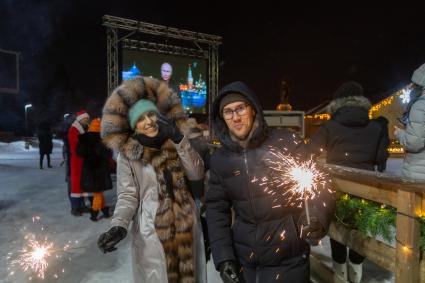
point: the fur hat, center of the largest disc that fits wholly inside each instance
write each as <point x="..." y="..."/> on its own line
<point x="140" y="107"/>
<point x="350" y="88"/>
<point x="81" y="115"/>
<point x="418" y="76"/>
<point x="232" y="97"/>
<point x="94" y="125"/>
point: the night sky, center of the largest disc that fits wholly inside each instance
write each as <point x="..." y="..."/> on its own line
<point x="314" y="48"/>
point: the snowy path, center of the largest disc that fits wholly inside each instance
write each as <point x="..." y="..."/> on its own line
<point x="27" y="191"/>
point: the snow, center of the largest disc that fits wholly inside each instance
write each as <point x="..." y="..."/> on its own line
<point x="27" y="191"/>
<point x="372" y="273"/>
<point x="17" y="150"/>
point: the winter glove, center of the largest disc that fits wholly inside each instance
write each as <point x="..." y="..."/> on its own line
<point x="229" y="272"/>
<point x="168" y="128"/>
<point x="314" y="232"/>
<point x="109" y="239"/>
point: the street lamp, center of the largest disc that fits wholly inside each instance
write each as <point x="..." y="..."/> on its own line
<point x="26" y="120"/>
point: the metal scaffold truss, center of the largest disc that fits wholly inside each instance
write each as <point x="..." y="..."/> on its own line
<point x="164" y="48"/>
<point x="125" y="33"/>
<point x="132" y="25"/>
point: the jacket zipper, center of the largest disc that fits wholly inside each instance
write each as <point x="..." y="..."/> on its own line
<point x="251" y="201"/>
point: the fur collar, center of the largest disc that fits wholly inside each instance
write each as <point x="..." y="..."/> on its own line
<point x="115" y="129"/>
<point x="349" y="101"/>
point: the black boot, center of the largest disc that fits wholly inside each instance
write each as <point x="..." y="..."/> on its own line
<point x="75" y="212"/>
<point x="105" y="212"/>
<point x="93" y="215"/>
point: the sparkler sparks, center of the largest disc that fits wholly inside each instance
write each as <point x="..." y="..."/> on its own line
<point x="293" y="180"/>
<point x="35" y="255"/>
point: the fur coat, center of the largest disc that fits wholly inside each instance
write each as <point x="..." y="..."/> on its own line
<point x="167" y="238"/>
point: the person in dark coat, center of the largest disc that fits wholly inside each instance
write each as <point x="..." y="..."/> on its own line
<point x="45" y="142"/>
<point x="386" y="141"/>
<point x="350" y="139"/>
<point x="252" y="249"/>
<point x="95" y="175"/>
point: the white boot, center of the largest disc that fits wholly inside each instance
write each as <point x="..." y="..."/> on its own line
<point x="355" y="272"/>
<point x="340" y="271"/>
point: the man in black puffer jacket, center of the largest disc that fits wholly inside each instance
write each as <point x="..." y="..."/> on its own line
<point x="254" y="249"/>
<point x="351" y="139"/>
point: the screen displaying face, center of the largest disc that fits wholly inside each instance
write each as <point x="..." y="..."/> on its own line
<point x="187" y="76"/>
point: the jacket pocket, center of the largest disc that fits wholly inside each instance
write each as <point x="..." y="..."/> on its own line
<point x="277" y="240"/>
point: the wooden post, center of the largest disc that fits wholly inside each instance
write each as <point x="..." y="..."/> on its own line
<point x="408" y="234"/>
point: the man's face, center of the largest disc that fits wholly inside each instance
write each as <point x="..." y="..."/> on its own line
<point x="239" y="118"/>
<point x="166" y="71"/>
<point x="147" y="125"/>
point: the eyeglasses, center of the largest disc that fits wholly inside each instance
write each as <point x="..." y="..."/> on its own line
<point x="240" y="111"/>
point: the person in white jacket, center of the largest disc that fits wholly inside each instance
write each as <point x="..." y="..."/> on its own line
<point x="153" y="163"/>
<point x="413" y="136"/>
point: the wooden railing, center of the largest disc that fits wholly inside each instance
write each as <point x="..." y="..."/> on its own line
<point x="407" y="197"/>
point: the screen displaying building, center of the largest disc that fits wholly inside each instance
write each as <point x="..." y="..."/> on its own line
<point x="187" y="76"/>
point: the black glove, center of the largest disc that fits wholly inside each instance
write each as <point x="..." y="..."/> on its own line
<point x="314" y="232"/>
<point x="168" y="128"/>
<point x="229" y="272"/>
<point x="109" y="239"/>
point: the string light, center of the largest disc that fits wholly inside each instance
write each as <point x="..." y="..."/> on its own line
<point x="403" y="94"/>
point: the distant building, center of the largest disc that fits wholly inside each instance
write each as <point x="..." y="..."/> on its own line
<point x="194" y="94"/>
<point x="131" y="73"/>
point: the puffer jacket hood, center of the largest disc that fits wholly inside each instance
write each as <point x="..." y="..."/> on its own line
<point x="350" y="111"/>
<point x="220" y="127"/>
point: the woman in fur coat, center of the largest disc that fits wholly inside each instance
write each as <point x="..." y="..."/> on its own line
<point x="153" y="163"/>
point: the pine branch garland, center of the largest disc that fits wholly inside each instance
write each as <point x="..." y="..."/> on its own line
<point x="368" y="217"/>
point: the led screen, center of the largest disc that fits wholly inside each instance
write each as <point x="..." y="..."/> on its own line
<point x="187" y="76"/>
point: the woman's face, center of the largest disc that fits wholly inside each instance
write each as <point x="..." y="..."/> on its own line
<point x="146" y="125"/>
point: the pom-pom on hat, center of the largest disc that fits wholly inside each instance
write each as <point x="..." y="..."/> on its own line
<point x="140" y="107"/>
<point x="81" y="115"/>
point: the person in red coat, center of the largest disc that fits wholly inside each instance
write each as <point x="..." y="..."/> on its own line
<point x="77" y="195"/>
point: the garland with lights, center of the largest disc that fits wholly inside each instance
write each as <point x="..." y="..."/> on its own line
<point x="372" y="218"/>
<point x="368" y="217"/>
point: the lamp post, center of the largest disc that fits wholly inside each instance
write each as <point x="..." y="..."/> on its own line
<point x="26" y="114"/>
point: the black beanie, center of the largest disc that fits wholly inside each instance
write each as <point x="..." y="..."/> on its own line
<point x="350" y="88"/>
<point x="232" y="97"/>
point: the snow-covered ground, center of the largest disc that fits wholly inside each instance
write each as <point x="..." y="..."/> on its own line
<point x="26" y="191"/>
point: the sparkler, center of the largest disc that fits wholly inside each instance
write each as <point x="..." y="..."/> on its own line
<point x="294" y="180"/>
<point x="36" y="254"/>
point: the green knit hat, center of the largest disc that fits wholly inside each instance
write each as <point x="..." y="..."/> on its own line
<point x="140" y="107"/>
